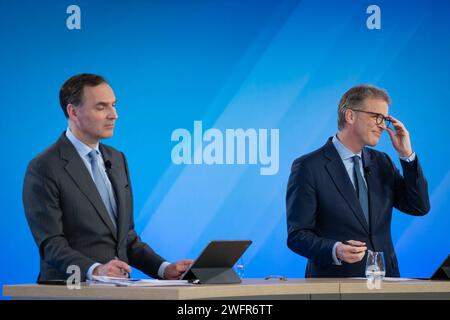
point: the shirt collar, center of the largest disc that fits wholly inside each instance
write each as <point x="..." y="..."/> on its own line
<point x="81" y="147"/>
<point x="344" y="152"/>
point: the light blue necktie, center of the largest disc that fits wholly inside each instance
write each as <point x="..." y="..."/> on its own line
<point x="361" y="189"/>
<point x="101" y="186"/>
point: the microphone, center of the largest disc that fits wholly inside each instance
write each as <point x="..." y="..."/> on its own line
<point x="367" y="171"/>
<point x="108" y="164"/>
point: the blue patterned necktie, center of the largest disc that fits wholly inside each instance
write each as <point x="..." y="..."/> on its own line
<point x="360" y="187"/>
<point x="101" y="186"/>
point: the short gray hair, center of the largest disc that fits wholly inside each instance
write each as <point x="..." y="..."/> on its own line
<point x="354" y="98"/>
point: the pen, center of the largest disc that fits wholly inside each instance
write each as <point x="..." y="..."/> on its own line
<point x="353" y="245"/>
<point x="126" y="274"/>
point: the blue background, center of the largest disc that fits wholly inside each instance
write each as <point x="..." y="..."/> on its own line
<point x="231" y="64"/>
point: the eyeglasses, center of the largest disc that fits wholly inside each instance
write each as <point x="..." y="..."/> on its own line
<point x="379" y="118"/>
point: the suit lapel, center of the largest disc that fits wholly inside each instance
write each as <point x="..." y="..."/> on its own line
<point x="373" y="187"/>
<point x="80" y="175"/>
<point x="338" y="174"/>
<point x="114" y="176"/>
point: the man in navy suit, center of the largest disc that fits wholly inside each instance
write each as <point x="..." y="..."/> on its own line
<point x="340" y="197"/>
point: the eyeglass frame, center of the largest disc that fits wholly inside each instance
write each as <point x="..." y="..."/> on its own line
<point x="378" y="115"/>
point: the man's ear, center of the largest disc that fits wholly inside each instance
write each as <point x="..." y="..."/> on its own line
<point x="349" y="116"/>
<point x="72" y="111"/>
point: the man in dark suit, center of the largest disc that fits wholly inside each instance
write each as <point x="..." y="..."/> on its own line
<point x="340" y="197"/>
<point x="78" y="199"/>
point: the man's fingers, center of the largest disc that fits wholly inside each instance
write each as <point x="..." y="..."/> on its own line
<point x="391" y="133"/>
<point x="361" y="256"/>
<point x="114" y="268"/>
<point x="173" y="271"/>
<point x="186" y="262"/>
<point x="117" y="273"/>
<point x="358" y="250"/>
<point x="111" y="270"/>
<point x="393" y="136"/>
<point x="399" y="128"/>
<point x="121" y="265"/>
<point x="181" y="269"/>
<point x="398" y="125"/>
<point x="354" y="251"/>
<point x="183" y="265"/>
<point x="354" y="257"/>
<point x="356" y="243"/>
<point x="395" y="121"/>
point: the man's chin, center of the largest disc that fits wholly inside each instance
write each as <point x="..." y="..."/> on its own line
<point x="373" y="142"/>
<point x="107" y="135"/>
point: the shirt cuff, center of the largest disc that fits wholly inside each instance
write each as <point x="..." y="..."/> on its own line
<point x="91" y="270"/>
<point x="162" y="268"/>
<point x="336" y="261"/>
<point x="411" y="158"/>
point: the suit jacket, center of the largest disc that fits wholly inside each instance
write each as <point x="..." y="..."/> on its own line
<point x="323" y="208"/>
<point x="68" y="219"/>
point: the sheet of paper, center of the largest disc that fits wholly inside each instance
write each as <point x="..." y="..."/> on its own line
<point x="398" y="279"/>
<point x="389" y="279"/>
<point x="132" y="282"/>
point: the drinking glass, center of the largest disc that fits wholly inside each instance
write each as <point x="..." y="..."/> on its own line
<point x="375" y="268"/>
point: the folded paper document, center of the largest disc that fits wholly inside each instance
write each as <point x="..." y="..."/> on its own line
<point x="130" y="282"/>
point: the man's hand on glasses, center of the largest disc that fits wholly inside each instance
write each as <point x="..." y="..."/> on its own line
<point x="400" y="138"/>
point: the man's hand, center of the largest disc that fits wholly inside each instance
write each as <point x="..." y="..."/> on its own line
<point x="400" y="139"/>
<point x="351" y="252"/>
<point x="114" y="268"/>
<point x="174" y="270"/>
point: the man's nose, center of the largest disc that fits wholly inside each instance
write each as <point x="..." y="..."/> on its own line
<point x="113" y="114"/>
